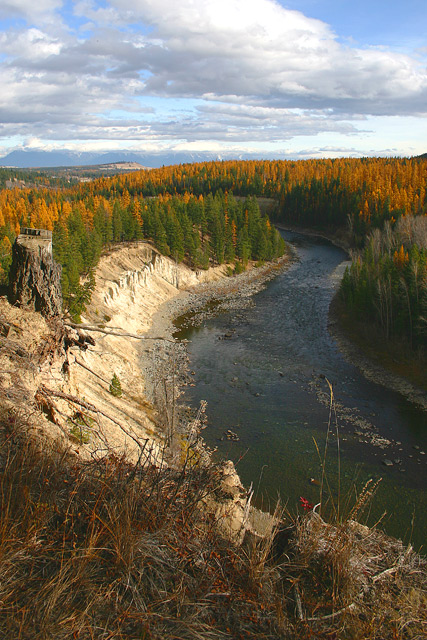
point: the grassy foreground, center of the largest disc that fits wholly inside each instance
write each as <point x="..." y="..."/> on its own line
<point x="106" y="549"/>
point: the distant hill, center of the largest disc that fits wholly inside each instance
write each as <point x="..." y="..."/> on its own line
<point x="87" y="171"/>
<point x="43" y="159"/>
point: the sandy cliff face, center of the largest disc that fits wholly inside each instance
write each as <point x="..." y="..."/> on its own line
<point x="132" y="285"/>
<point x="132" y="281"/>
<point x="65" y="383"/>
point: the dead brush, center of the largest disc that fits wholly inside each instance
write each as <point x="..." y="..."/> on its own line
<point x="110" y="549"/>
<point x="357" y="582"/>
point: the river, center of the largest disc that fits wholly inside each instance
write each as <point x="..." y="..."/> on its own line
<point x="266" y="372"/>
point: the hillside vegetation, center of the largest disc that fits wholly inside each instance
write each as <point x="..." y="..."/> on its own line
<point x="376" y="205"/>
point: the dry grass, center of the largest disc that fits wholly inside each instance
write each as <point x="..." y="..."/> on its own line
<point x="357" y="582"/>
<point x="107" y="549"/>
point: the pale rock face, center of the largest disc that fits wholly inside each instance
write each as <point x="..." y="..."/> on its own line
<point x="151" y="267"/>
<point x="132" y="281"/>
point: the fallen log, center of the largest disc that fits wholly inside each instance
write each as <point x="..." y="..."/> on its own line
<point x="87" y="327"/>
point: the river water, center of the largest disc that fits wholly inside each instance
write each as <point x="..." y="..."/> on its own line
<point x="266" y="372"/>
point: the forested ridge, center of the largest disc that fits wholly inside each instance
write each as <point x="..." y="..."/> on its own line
<point x="207" y="213"/>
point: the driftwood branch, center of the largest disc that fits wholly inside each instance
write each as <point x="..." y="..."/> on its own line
<point x="354" y="606"/>
<point x="395" y="567"/>
<point x="87" y="327"/>
<point x="67" y="396"/>
<point x="298" y="602"/>
<point x="50" y="408"/>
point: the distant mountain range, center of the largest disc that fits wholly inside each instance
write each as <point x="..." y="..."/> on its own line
<point x="47" y="159"/>
<point x="41" y="159"/>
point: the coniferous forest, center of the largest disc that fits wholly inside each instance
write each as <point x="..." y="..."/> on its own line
<point x="208" y="213"/>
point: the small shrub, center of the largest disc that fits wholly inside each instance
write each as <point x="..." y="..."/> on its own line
<point x="115" y="387"/>
<point x="190" y="455"/>
<point x="80" y="425"/>
<point x="81" y="435"/>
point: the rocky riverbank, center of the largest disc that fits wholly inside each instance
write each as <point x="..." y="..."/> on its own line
<point x="142" y="292"/>
<point x="62" y="377"/>
<point x="199" y="302"/>
<point x="371" y="364"/>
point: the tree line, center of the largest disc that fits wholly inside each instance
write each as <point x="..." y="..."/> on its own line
<point x="202" y="231"/>
<point x="207" y="213"/>
<point x="387" y="281"/>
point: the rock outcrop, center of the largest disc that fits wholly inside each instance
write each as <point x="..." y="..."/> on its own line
<point x="35" y="278"/>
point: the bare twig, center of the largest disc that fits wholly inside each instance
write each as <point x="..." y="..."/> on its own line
<point x="331" y="616"/>
<point x="91" y="371"/>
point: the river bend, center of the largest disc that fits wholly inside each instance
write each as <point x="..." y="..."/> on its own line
<point x="264" y="372"/>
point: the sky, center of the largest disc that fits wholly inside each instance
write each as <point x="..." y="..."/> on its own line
<point x="236" y="78"/>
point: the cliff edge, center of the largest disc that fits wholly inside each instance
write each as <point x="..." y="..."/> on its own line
<point x="63" y="374"/>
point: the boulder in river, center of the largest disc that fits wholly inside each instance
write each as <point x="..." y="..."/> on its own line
<point x="230" y="435"/>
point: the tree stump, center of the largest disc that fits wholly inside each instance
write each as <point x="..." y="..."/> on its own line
<point x="34" y="277"/>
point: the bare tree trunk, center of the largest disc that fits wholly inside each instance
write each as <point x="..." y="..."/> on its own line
<point x="35" y="278"/>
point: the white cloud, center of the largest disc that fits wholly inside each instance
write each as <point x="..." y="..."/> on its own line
<point x="260" y="19"/>
<point x="28" y="9"/>
<point x="258" y="48"/>
<point x="257" y="71"/>
<point x="31" y="44"/>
